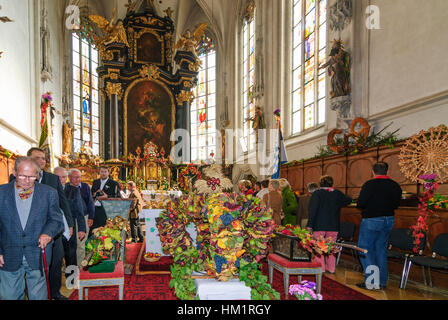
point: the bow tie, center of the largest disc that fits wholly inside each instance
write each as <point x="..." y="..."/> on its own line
<point x="24" y="194"/>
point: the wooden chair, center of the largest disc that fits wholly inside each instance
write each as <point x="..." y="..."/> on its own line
<point x="288" y="268"/>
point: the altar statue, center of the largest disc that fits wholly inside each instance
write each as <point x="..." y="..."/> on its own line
<point x="67" y="142"/>
<point x="114" y="31"/>
<point x="189" y="42"/>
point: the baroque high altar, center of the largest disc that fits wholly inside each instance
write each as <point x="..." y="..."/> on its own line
<point x="146" y="82"/>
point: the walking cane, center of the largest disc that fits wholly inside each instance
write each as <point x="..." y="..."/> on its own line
<point x="46" y="274"/>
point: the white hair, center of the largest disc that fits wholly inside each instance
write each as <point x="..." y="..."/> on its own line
<point x="60" y="169"/>
<point x="73" y="170"/>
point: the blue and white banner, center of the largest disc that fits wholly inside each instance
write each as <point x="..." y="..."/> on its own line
<point x="280" y="157"/>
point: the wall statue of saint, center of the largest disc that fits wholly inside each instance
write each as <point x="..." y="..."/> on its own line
<point x="339" y="69"/>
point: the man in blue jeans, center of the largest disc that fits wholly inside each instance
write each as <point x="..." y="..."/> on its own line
<point x="378" y="200"/>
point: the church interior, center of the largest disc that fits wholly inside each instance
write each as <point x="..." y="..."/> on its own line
<point x="202" y="104"/>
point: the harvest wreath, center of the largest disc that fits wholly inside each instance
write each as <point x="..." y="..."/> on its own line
<point x="233" y="236"/>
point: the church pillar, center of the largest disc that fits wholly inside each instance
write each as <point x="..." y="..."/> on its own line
<point x="114" y="91"/>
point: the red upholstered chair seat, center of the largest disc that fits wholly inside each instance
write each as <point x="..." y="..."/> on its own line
<point x="292" y="264"/>
<point x="118" y="273"/>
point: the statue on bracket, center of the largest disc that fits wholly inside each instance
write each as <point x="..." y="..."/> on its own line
<point x="67" y="142"/>
<point x="339" y="66"/>
<point x="114" y="31"/>
<point x="189" y="42"/>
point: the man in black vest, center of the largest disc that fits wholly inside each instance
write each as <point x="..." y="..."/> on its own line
<point x="52" y="180"/>
<point x="103" y="189"/>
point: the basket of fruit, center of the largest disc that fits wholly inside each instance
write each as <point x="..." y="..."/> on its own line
<point x="152" y="257"/>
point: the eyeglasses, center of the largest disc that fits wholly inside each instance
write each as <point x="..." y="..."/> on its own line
<point x="22" y="177"/>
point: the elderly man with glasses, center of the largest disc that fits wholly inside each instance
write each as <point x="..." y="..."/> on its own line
<point x="30" y="218"/>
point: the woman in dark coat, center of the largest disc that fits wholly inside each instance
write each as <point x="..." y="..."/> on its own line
<point x="324" y="217"/>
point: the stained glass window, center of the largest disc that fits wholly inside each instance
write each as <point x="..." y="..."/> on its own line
<point x="248" y="84"/>
<point x="85" y="95"/>
<point x="203" y="108"/>
<point x="309" y="40"/>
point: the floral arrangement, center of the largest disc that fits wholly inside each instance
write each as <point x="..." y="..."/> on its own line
<point x="190" y="172"/>
<point x="214" y="181"/>
<point x="100" y="247"/>
<point x="438" y="202"/>
<point x="305" y="291"/>
<point x="425" y="208"/>
<point x="46" y="102"/>
<point x="233" y="236"/>
<point x="308" y="242"/>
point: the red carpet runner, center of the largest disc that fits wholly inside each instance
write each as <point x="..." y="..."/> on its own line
<point x="156" y="287"/>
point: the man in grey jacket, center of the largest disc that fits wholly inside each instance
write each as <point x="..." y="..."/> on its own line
<point x="29" y="220"/>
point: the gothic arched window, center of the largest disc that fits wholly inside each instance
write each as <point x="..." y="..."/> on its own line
<point x="203" y="108"/>
<point x="248" y="81"/>
<point x="309" y="31"/>
<point x="86" y="109"/>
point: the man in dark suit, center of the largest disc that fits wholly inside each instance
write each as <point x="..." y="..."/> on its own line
<point x="74" y="175"/>
<point x="103" y="189"/>
<point x="58" y="251"/>
<point x="74" y="197"/>
<point x="30" y="218"/>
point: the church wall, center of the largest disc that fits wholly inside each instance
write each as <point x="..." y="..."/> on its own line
<point x="18" y="87"/>
<point x="31" y="44"/>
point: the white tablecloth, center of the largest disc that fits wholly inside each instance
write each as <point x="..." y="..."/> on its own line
<point x="153" y="243"/>
<point x="211" y="289"/>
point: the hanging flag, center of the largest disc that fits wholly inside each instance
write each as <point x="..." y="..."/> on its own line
<point x="280" y="157"/>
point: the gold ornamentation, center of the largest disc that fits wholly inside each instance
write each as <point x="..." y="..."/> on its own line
<point x="114" y="76"/>
<point x="114" y="88"/>
<point x="188" y="84"/>
<point x="114" y="31"/>
<point x="426" y="153"/>
<point x="189" y="42"/>
<point x="147" y="20"/>
<point x="184" y="96"/>
<point x="104" y="54"/>
<point x="149" y="72"/>
<point x="195" y="66"/>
